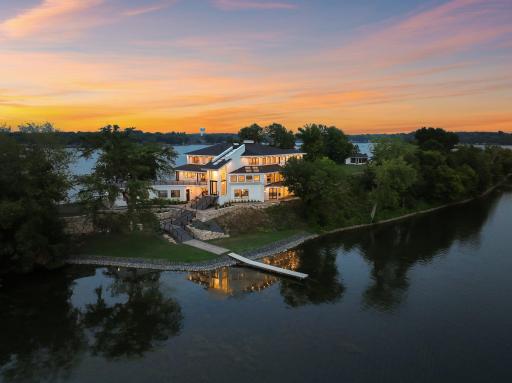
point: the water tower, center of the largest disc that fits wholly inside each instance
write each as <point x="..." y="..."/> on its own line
<point x="201" y="131"/>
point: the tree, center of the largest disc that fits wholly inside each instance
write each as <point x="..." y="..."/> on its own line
<point x="388" y="148"/>
<point x="279" y="136"/>
<point x="436" y="139"/>
<point x="312" y="141"/>
<point x="324" y="141"/>
<point x="33" y="180"/>
<point x="393" y="178"/>
<point x="253" y="132"/>
<point x="32" y="127"/>
<point x="336" y="144"/>
<point x="124" y="168"/>
<point x="324" y="189"/>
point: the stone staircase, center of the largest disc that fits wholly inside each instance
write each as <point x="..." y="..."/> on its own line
<point x="176" y="226"/>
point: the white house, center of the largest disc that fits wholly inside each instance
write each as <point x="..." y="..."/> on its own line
<point x="357" y="159"/>
<point x="232" y="172"/>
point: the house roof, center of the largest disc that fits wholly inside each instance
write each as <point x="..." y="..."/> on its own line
<point x="212" y="150"/>
<point x="251" y="149"/>
<point x="215" y="165"/>
<point x="257" y="169"/>
<point x="359" y="155"/>
<point x="266" y="150"/>
<point x="191" y="168"/>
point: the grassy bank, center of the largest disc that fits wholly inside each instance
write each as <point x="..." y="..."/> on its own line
<point x="141" y="245"/>
<point x="251" y="241"/>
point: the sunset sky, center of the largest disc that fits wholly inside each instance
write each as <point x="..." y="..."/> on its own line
<point x="163" y="65"/>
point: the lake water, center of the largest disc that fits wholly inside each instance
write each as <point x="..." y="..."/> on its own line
<point x="423" y="300"/>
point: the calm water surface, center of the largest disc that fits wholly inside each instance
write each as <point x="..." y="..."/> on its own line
<point x="424" y="300"/>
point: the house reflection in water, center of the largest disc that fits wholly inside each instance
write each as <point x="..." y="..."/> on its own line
<point x="233" y="281"/>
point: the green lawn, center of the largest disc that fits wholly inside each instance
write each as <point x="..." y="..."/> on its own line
<point x="246" y="242"/>
<point x="354" y="169"/>
<point x="141" y="245"/>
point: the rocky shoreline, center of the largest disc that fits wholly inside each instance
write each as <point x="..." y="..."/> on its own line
<point x="263" y="252"/>
<point x="163" y="265"/>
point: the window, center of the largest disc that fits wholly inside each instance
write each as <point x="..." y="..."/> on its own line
<point x="232" y="178"/>
<point x="248" y="178"/>
<point x="254" y="161"/>
<point x="241" y="178"/>
<point x="269" y="178"/>
<point x="175" y="194"/>
<point x="195" y="160"/>
<point x="256" y="178"/>
<point x="162" y="193"/>
<point x="241" y="193"/>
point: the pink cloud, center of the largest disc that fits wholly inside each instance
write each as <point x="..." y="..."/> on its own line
<point x="440" y="32"/>
<point x="45" y="16"/>
<point x="235" y="5"/>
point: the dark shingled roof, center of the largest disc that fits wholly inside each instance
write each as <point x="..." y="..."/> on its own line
<point x="191" y="168"/>
<point x="254" y="169"/>
<point x="265" y="150"/>
<point x="213" y="150"/>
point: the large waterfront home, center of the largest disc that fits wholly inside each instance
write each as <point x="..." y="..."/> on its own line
<point x="231" y="172"/>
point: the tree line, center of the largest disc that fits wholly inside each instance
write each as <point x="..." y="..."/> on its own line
<point x="402" y="177"/>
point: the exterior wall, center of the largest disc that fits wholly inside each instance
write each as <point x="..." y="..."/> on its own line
<point x="268" y="160"/>
<point x="195" y="191"/>
<point x="357" y="161"/>
<point x="256" y="192"/>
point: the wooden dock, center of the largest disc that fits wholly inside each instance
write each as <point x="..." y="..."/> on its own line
<point x="266" y="267"/>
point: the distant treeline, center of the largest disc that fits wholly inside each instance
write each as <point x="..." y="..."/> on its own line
<point x="489" y="138"/>
<point x="182" y="138"/>
<point x="172" y="138"/>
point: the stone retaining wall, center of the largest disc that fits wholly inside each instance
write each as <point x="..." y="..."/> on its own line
<point x="205" y="235"/>
<point x="207" y="215"/>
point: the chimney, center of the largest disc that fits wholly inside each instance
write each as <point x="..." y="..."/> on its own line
<point x="248" y="142"/>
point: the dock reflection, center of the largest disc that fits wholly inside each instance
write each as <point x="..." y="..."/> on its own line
<point x="237" y="281"/>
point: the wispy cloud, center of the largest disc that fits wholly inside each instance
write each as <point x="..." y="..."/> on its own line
<point x="236" y="5"/>
<point x="148" y="8"/>
<point x="48" y="15"/>
<point x="447" y="29"/>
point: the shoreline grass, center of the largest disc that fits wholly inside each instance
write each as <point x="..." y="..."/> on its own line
<point x="252" y="241"/>
<point x="141" y="245"/>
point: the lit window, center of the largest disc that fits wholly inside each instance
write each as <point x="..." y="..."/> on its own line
<point x="254" y="161"/>
<point x="264" y="160"/>
<point x="256" y="178"/>
<point x="175" y="194"/>
<point x="241" y="193"/>
<point x="232" y="178"/>
<point x="241" y="178"/>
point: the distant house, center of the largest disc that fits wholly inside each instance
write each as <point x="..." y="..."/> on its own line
<point x="232" y="172"/>
<point x="357" y="159"/>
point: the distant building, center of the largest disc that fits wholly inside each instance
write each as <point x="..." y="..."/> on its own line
<point x="357" y="159"/>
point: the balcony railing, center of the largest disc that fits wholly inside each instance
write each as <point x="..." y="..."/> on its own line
<point x="180" y="182"/>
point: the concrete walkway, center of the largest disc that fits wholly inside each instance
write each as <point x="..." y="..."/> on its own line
<point x="206" y="247"/>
